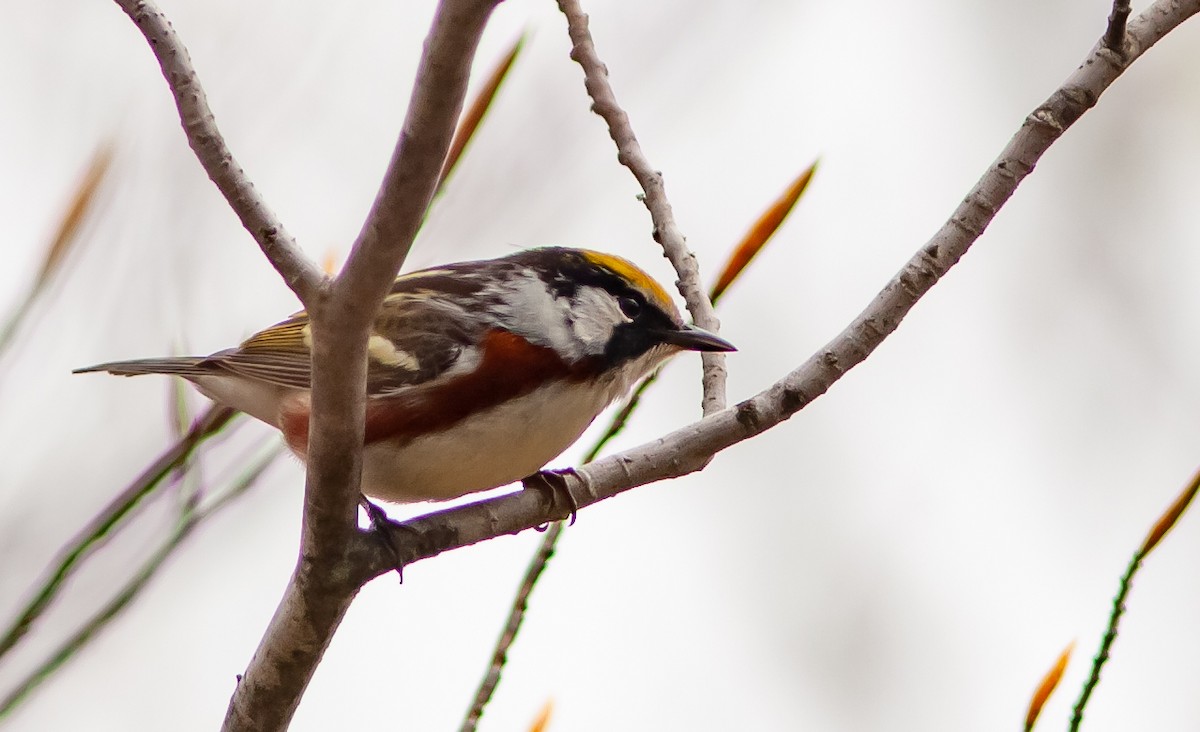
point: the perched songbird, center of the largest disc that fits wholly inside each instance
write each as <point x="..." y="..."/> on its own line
<point x="479" y="373"/>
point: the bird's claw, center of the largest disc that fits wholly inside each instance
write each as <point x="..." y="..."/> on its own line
<point x="385" y="528"/>
<point x="555" y="485"/>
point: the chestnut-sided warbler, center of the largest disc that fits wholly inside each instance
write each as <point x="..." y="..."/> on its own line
<point x="478" y="374"/>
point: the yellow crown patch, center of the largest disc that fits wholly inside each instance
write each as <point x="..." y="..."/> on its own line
<point x="634" y="275"/>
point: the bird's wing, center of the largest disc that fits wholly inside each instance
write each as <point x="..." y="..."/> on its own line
<point x="279" y="355"/>
<point x="415" y="338"/>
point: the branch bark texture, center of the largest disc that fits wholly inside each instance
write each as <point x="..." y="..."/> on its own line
<point x="337" y="558"/>
<point x="666" y="231"/>
<point x="329" y="572"/>
<point x="690" y="448"/>
<point x="300" y="274"/>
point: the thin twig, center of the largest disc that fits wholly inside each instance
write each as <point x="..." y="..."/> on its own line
<point x="516" y="615"/>
<point x="302" y="275"/>
<point x="306" y="617"/>
<point x="645" y="464"/>
<point x="1110" y="635"/>
<point x="689" y="448"/>
<point x="1114" y="35"/>
<point x="102" y="524"/>
<point x="1161" y="528"/>
<point x="537" y="564"/>
<point x="666" y="231"/>
<point x="762" y="231"/>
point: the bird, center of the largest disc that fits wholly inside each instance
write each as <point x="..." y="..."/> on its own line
<point x="479" y="373"/>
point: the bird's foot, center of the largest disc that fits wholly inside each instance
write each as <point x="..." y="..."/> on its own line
<point x="554" y="484"/>
<point x="386" y="530"/>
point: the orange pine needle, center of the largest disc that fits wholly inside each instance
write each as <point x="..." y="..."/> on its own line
<point x="761" y="232"/>
<point x="542" y="722"/>
<point x="1046" y="688"/>
<point x="479" y="107"/>
<point x="68" y="225"/>
<point x="1167" y="521"/>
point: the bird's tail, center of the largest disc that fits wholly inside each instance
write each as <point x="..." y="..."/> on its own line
<point x="179" y="366"/>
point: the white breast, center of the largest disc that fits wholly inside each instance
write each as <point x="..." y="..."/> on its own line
<point x="499" y="446"/>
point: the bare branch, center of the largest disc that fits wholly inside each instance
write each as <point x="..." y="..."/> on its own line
<point x="752" y="243"/>
<point x="337" y="559"/>
<point x="688" y="449"/>
<point x="666" y="231"/>
<point x="516" y="615"/>
<point x="413" y="173"/>
<point x="300" y="274"/>
<point x="1114" y="35"/>
<point x="437" y="532"/>
<point x="329" y="572"/>
<point x="340" y="325"/>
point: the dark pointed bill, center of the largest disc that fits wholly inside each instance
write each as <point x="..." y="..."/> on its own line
<point x="691" y="338"/>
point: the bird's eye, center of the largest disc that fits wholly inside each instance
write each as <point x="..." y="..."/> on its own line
<point x="631" y="307"/>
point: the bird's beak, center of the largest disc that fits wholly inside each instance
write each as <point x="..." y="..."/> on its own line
<point x="691" y="338"/>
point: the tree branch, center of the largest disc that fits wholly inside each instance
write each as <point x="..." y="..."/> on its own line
<point x="1114" y="35"/>
<point x="666" y="231"/>
<point x="412" y="175"/>
<point x="336" y="557"/>
<point x="300" y="274"/>
<point x="329" y="572"/>
<point x="341" y="324"/>
<point x="689" y="448"/>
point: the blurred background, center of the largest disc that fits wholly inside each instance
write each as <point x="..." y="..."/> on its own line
<point x="911" y="551"/>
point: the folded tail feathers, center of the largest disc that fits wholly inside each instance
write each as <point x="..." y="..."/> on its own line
<point x="180" y="366"/>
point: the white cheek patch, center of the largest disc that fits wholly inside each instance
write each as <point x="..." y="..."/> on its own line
<point x="529" y="310"/>
<point x="594" y="314"/>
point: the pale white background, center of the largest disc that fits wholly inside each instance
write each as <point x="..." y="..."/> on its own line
<point x="910" y="552"/>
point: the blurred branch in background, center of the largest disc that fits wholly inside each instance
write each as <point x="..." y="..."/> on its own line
<point x="65" y="239"/>
<point x="1161" y="528"/>
<point x="971" y="221"/>
<point x="175" y="464"/>
<point x="192" y="512"/>
<point x="176" y="461"/>
<point x="470" y="120"/>
<point x="746" y="250"/>
<point x="113" y="518"/>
